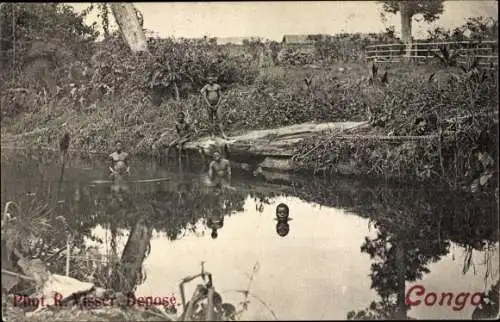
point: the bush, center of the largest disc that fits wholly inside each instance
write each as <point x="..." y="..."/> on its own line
<point x="459" y="105"/>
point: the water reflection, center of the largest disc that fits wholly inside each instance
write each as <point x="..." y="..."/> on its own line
<point x="282" y="218"/>
<point x="409" y="238"/>
<point x="282" y="227"/>
<point x="119" y="187"/>
<point x="385" y="239"/>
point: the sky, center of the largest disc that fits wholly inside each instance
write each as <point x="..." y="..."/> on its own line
<point x="271" y="20"/>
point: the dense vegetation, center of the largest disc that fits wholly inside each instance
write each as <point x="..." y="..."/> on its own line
<point x="57" y="78"/>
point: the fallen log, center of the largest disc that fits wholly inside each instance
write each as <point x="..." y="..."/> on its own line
<point x="280" y="142"/>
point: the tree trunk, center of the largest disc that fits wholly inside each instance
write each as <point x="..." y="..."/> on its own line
<point x="130" y="27"/>
<point x="406" y="17"/>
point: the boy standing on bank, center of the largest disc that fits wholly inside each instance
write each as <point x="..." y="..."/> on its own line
<point x="212" y="95"/>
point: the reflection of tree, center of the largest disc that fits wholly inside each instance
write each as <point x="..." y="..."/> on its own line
<point x="171" y="210"/>
<point x="129" y="273"/>
<point x="396" y="262"/>
<point x="414" y="228"/>
<point x="410" y="236"/>
<point x="488" y="310"/>
<point x="170" y="207"/>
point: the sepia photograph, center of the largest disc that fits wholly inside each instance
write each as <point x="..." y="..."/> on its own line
<point x="249" y="160"/>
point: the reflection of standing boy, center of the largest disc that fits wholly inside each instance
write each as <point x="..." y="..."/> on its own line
<point x="212" y="95"/>
<point x="215" y="222"/>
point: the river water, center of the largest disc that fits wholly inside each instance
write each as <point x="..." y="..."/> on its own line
<point x="349" y="243"/>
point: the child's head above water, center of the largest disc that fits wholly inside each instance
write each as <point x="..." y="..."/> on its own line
<point x="282" y="211"/>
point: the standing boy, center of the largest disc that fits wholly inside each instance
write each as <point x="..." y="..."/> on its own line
<point x="212" y="95"/>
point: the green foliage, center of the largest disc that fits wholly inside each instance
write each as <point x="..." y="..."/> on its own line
<point x="408" y="239"/>
<point x="194" y="61"/>
<point x="104" y="93"/>
<point x="489" y="310"/>
<point x="454" y="104"/>
<point x="350" y="47"/>
<point x="294" y="57"/>
<point x="447" y="57"/>
<point x="474" y="29"/>
<point x="429" y="9"/>
<point x="25" y="28"/>
<point x="329" y="50"/>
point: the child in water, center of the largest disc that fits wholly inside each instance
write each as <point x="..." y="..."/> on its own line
<point x="282" y="211"/>
<point x="119" y="161"/>
<point x="219" y="171"/>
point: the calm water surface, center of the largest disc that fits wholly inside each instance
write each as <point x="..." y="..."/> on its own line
<point x="349" y="243"/>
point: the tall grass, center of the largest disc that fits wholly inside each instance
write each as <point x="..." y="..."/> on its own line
<point x="457" y="108"/>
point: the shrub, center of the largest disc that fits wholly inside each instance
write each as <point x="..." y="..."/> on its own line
<point x="460" y="106"/>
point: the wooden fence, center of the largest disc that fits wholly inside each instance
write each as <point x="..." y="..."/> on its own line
<point x="485" y="51"/>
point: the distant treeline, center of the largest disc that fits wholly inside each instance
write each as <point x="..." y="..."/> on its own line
<point x="328" y="49"/>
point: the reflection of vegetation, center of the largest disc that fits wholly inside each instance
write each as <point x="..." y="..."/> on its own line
<point x="261" y="199"/>
<point x="414" y="228"/>
<point x="488" y="310"/>
<point x="412" y="234"/>
<point x="172" y="208"/>
<point x="400" y="258"/>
